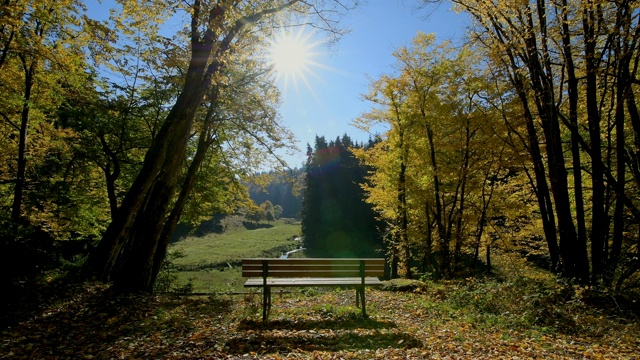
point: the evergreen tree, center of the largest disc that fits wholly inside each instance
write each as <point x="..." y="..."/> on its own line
<point x="336" y="222"/>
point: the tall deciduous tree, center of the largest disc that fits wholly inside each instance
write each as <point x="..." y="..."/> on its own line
<point x="439" y="158"/>
<point x="570" y="63"/>
<point x="42" y="62"/>
<point x="127" y="252"/>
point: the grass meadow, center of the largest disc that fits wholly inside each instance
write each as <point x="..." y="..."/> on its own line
<point x="211" y="263"/>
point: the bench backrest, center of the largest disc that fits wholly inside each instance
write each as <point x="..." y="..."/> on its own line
<point x="306" y="267"/>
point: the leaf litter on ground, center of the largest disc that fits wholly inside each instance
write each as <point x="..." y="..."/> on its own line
<point x="97" y="323"/>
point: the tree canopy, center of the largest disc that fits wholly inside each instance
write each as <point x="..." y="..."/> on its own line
<point x="117" y="129"/>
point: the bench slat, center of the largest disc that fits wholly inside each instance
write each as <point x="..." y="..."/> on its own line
<point x="297" y="282"/>
<point x="305" y="267"/>
<point x="312" y="267"/>
<point x="314" y="261"/>
<point x="311" y="273"/>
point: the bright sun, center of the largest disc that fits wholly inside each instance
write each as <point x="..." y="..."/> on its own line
<point x="291" y="56"/>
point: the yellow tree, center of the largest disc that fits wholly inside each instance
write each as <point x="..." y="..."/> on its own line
<point x="388" y="192"/>
<point x="570" y="64"/>
<point x="434" y="165"/>
<point x="42" y="62"/>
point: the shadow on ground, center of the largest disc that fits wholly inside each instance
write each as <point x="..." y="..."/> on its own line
<point x="320" y="335"/>
<point x="335" y="324"/>
<point x="97" y="321"/>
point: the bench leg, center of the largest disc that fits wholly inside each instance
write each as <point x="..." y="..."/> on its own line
<point x="360" y="299"/>
<point x="364" y="307"/>
<point x="266" y="303"/>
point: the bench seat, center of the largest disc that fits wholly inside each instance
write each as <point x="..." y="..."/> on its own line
<point x="311" y="282"/>
<point x="308" y="272"/>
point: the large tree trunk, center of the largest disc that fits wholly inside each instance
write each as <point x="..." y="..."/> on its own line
<point x="618" y="213"/>
<point x="598" y="215"/>
<point x="428" y="263"/>
<point x="140" y="218"/>
<point x="402" y="204"/>
<point x="138" y="267"/>
<point x="573" y="97"/>
<point x="156" y="179"/>
<point x="127" y="252"/>
<point x="442" y="240"/>
<point x="464" y="171"/>
<point x="204" y="142"/>
<point x="573" y="256"/>
<point x="539" y="183"/>
<point x="623" y="50"/>
<point x="543" y="196"/>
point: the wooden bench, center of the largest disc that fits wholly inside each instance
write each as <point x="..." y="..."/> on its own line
<point x="304" y="272"/>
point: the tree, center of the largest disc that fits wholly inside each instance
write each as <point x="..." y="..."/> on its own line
<point x="569" y="63"/>
<point x="281" y="188"/>
<point x="40" y="57"/>
<point x="270" y="216"/>
<point x="255" y="214"/>
<point x="437" y="166"/>
<point x="335" y="220"/>
<point x="277" y="211"/>
<point x="267" y="207"/>
<point x="128" y="250"/>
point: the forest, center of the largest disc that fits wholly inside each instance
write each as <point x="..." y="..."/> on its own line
<point x="524" y="139"/>
<point x="542" y="129"/>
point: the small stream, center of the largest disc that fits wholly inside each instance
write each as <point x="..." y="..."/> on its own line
<point x="286" y="255"/>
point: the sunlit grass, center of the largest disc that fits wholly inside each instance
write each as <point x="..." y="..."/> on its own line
<point x="211" y="263"/>
<point x="235" y="245"/>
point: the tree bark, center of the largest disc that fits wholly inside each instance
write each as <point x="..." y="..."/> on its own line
<point x="543" y="196"/>
<point x="541" y="186"/>
<point x="572" y="255"/>
<point x="111" y="175"/>
<point x="402" y="208"/>
<point x="623" y="50"/>
<point x="204" y="142"/>
<point x="573" y="97"/>
<point x="105" y="261"/>
<point x="459" y="238"/>
<point x="442" y="241"/>
<point x="598" y="215"/>
<point x="29" y="74"/>
<point x="137" y="271"/>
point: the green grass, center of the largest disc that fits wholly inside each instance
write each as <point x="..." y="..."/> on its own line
<point x="211" y="263"/>
<point x="212" y="280"/>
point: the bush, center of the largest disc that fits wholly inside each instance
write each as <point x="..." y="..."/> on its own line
<point x="166" y="281"/>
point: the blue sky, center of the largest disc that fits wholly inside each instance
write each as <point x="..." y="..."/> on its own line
<point x="333" y="97"/>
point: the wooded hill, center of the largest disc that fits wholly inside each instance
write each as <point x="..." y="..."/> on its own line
<point x="282" y="189"/>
